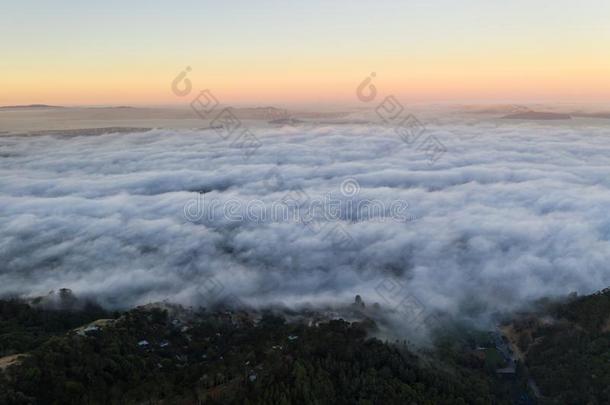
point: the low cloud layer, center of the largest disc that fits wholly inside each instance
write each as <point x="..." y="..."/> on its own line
<point x="507" y="215"/>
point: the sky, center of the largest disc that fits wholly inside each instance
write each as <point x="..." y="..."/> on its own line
<point x="116" y="52"/>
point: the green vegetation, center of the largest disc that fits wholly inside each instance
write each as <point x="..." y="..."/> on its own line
<point x="77" y="353"/>
<point x="23" y="328"/>
<point x="169" y="355"/>
<point x="567" y="350"/>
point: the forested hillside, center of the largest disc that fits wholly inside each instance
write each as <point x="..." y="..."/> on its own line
<point x="169" y="355"/>
<point x="567" y="349"/>
<point x="69" y="352"/>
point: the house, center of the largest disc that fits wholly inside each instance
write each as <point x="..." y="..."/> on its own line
<point x="94" y="327"/>
<point x="88" y="331"/>
<point x="509" y="370"/>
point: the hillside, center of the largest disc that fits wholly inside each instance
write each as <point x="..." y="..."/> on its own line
<point x="566" y="347"/>
<point x="167" y="354"/>
<point x="59" y="350"/>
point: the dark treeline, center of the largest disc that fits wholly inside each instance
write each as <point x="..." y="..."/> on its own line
<point x="163" y="354"/>
<point x="152" y="355"/>
<point x="568" y="350"/>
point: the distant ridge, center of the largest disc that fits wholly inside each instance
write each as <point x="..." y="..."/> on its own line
<point x="537" y="115"/>
<point x="11" y="107"/>
<point x="118" y="107"/>
<point x="592" y="115"/>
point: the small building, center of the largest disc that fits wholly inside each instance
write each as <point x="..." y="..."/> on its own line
<point x="88" y="331"/>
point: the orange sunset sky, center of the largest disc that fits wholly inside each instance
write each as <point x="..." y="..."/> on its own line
<point x="71" y="53"/>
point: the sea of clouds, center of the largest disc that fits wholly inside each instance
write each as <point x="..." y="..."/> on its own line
<point x="507" y="215"/>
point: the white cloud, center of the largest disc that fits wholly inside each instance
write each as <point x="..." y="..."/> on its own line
<point x="507" y="215"/>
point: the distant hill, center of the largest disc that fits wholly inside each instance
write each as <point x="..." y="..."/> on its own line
<point x="29" y="106"/>
<point x="495" y="108"/>
<point x="537" y="115"/>
<point x="605" y="115"/>
<point x="111" y="107"/>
